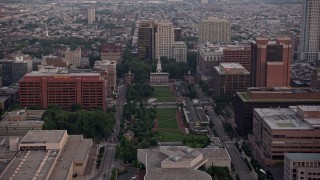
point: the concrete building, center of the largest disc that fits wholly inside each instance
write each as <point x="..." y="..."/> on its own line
<point x="229" y="78"/>
<point x="164" y="40"/>
<point x="63" y="89"/>
<point x="310" y="31"/>
<point x="91" y="15"/>
<point x="111" y="52"/>
<point x="214" y="30"/>
<point x="301" y="166"/>
<point x="146" y="40"/>
<point x="14" y="70"/>
<point x="177" y="34"/>
<point x="111" y="68"/>
<point x="180" y="51"/>
<point x="181" y="162"/>
<point x="270" y="62"/>
<point x="9" y="95"/>
<point x="53" y="61"/>
<point x="208" y="57"/>
<point x="284" y="130"/>
<point x="159" y="76"/>
<point x="49" y="154"/>
<point x="238" y="54"/>
<point x="245" y="102"/>
<point x="73" y="57"/>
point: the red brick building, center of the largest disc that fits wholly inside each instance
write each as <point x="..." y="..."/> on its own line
<point x="241" y="55"/>
<point x="111" y="52"/>
<point x="43" y="89"/>
<point x="270" y="62"/>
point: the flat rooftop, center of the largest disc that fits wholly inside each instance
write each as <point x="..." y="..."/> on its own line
<point x="76" y="149"/>
<point x="26" y="165"/>
<point x="246" y="98"/>
<point x="37" y="73"/>
<point x="154" y="170"/>
<point x="282" y="118"/>
<point x="49" y="136"/>
<point x="217" y="153"/>
<point x="21" y="123"/>
<point x="303" y="156"/>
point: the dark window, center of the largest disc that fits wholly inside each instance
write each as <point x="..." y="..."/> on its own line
<point x="274" y="52"/>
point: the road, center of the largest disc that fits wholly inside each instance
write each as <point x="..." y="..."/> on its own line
<point x="239" y="164"/>
<point x="108" y="158"/>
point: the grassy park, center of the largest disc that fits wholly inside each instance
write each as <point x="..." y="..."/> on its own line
<point x="163" y="94"/>
<point x="168" y="127"/>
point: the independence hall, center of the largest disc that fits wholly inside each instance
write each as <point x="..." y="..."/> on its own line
<point x="42" y="89"/>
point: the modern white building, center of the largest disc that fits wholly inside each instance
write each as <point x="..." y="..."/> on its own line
<point x="310" y="31"/>
<point x="181" y="162"/>
<point x="180" y="51"/>
<point x="214" y="30"/>
<point x="164" y="40"/>
<point x="91" y="15"/>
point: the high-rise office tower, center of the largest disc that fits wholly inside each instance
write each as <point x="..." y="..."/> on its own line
<point x="91" y="15"/>
<point x="164" y="40"/>
<point x="146" y="40"/>
<point x="270" y="62"/>
<point x="13" y="70"/>
<point x="214" y="30"/>
<point x="310" y="31"/>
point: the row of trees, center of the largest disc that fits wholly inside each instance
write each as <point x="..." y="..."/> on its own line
<point x="91" y="123"/>
<point x="142" y="68"/>
<point x="138" y="91"/>
<point x="140" y="121"/>
<point x="196" y="141"/>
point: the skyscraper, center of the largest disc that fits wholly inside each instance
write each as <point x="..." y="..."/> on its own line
<point x="164" y="40"/>
<point x="13" y="70"/>
<point x="214" y="30"/>
<point x="310" y="31"/>
<point x="91" y="15"/>
<point x="146" y="40"/>
<point x="270" y="62"/>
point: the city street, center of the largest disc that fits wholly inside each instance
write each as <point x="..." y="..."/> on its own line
<point x="239" y="164"/>
<point x="108" y="159"/>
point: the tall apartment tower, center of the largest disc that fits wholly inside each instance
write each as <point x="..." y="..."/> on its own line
<point x="146" y="40"/>
<point x="214" y="30"/>
<point x="73" y="57"/>
<point x="91" y="15"/>
<point x="164" y="40"/>
<point x="310" y="31"/>
<point x="270" y="62"/>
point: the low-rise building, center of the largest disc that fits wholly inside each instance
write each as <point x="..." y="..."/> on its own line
<point x="48" y="154"/>
<point x="159" y="76"/>
<point x="19" y="122"/>
<point x="181" y="162"/>
<point x="301" y="166"/>
<point x="229" y="78"/>
<point x="285" y="130"/>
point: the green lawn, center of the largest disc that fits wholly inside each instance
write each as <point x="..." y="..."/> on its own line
<point x="163" y="94"/>
<point x="168" y="126"/>
<point x="171" y="136"/>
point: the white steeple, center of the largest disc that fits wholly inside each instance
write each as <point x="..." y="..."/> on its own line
<point x="159" y="69"/>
